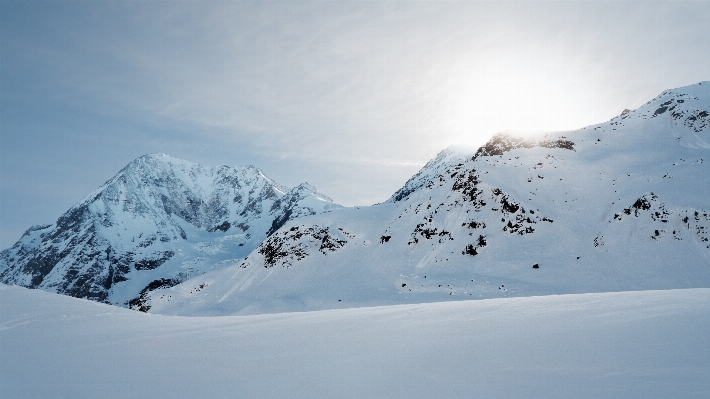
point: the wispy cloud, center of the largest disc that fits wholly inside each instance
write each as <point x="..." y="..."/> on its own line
<point x="320" y="74"/>
<point x="372" y="88"/>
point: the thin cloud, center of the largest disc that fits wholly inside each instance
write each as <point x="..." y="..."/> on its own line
<point x="335" y="92"/>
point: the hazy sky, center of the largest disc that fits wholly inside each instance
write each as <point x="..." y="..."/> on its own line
<point x="353" y="97"/>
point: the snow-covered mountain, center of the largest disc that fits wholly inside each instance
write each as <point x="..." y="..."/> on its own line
<point x="622" y="205"/>
<point x="159" y="221"/>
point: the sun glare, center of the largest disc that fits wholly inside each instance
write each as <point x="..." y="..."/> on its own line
<point x="524" y="102"/>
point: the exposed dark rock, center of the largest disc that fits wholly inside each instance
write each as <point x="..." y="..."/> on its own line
<point x="151" y="263"/>
<point x="642" y="204"/>
<point x="482" y="241"/>
<point x="279" y="222"/>
<point x="222" y="227"/>
<point x="470" y="250"/>
<point x="474" y="225"/>
<point x="294" y="244"/>
<point x="564" y="144"/>
<point x="140" y="303"/>
<point x="503" y="142"/>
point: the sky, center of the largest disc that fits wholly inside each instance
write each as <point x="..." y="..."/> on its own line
<point x="352" y="97"/>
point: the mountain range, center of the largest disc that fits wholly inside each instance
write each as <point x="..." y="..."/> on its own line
<point x="618" y="206"/>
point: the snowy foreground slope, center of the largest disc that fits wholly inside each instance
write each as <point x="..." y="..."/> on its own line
<point x="159" y="221"/>
<point x="622" y="205"/>
<point x="650" y="344"/>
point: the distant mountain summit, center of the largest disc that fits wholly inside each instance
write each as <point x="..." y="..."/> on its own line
<point x="622" y="205"/>
<point x="157" y="222"/>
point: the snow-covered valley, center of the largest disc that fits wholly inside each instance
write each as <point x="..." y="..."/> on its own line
<point x="650" y="344"/>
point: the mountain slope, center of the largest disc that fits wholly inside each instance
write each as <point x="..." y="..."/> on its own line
<point x="159" y="221"/>
<point x="622" y="205"/>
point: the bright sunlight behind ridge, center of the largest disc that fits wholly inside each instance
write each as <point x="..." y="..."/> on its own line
<point x="353" y="97"/>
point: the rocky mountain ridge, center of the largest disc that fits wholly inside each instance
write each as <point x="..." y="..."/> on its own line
<point x="622" y="205"/>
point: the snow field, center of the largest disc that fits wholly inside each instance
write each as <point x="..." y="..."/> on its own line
<point x="649" y="344"/>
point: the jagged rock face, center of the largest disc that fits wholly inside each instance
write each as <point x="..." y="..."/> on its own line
<point x="501" y="143"/>
<point x="622" y="205"/>
<point x="160" y="219"/>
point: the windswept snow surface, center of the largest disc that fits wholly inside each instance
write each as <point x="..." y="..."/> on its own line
<point x="649" y="344"/>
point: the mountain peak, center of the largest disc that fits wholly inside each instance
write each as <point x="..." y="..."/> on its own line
<point x="157" y="222"/>
<point x="681" y="104"/>
<point x="307" y="189"/>
<point x="160" y="157"/>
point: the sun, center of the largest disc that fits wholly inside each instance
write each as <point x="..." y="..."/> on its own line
<point x="523" y="102"/>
